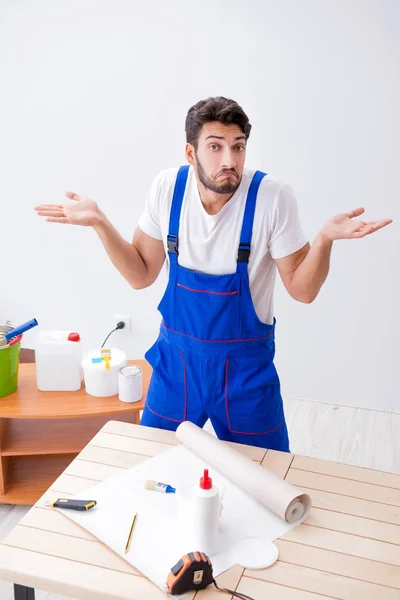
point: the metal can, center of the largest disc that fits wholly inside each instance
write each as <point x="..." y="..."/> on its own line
<point x="130" y="382"/>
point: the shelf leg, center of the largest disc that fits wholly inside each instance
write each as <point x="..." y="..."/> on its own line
<point x="21" y="592"/>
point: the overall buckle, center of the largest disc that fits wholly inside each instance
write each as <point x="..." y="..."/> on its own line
<point x="172" y="243"/>
<point x="243" y="253"/>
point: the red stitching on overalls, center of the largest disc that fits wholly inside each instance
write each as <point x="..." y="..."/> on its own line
<point x="184" y="385"/>
<point x="218" y="341"/>
<point x="226" y="395"/>
<point x="207" y="291"/>
<point x="186" y="397"/>
<point x="162" y="416"/>
<point x="227" y="411"/>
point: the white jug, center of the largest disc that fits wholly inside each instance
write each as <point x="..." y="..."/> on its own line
<point x="58" y="361"/>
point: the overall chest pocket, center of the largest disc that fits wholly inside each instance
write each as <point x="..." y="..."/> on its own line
<point x="208" y="310"/>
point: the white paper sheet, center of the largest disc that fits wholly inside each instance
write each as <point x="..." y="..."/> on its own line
<point x="156" y="545"/>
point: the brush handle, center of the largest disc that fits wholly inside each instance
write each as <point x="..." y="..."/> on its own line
<point x="164" y="488"/>
<point x="21" y="329"/>
<point x="15" y="340"/>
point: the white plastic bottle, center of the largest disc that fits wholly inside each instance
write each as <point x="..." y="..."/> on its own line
<point x="206" y="511"/>
<point x="58" y="361"/>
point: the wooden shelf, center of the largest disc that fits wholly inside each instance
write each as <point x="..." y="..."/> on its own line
<point x="41" y="432"/>
<point x="30" y="403"/>
<point x="29" y="476"/>
<point x="25" y="437"/>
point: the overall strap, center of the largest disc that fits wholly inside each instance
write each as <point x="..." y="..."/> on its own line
<point x="248" y="218"/>
<point x="174" y="217"/>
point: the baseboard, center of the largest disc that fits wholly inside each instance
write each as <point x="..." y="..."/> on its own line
<point x="298" y="398"/>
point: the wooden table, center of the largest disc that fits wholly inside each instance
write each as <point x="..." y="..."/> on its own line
<point x="41" y="432"/>
<point x="349" y="547"/>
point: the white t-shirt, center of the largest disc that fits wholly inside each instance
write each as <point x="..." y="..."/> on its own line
<point x="209" y="243"/>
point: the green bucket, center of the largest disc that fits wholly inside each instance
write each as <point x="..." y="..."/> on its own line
<point x="9" y="364"/>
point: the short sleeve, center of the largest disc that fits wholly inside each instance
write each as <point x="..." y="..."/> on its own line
<point x="287" y="235"/>
<point x="149" y="220"/>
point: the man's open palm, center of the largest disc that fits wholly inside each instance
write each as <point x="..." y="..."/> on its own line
<point x="344" y="227"/>
<point x="82" y="211"/>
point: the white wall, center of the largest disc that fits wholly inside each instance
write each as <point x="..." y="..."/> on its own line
<point x="93" y="98"/>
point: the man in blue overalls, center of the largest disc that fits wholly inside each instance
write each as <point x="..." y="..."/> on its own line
<point x="224" y="230"/>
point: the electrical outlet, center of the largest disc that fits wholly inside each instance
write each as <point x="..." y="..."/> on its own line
<point x="126" y="319"/>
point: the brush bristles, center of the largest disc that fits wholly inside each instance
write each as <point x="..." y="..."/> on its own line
<point x="150" y="484"/>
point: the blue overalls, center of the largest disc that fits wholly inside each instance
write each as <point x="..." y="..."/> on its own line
<point x="214" y="357"/>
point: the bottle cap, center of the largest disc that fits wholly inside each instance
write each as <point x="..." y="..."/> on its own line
<point x="206" y="481"/>
<point x="74" y="337"/>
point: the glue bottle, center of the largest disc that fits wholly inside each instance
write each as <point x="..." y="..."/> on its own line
<point x="206" y="505"/>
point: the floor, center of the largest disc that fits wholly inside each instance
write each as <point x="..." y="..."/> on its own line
<point x="366" y="438"/>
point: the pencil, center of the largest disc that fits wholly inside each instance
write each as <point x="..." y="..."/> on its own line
<point x="130" y="533"/>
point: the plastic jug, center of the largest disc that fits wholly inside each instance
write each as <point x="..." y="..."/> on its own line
<point x="58" y="361"/>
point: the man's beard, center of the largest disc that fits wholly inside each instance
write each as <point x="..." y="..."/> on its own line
<point x="226" y="187"/>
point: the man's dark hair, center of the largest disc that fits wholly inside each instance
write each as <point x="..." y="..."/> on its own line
<point x="220" y="109"/>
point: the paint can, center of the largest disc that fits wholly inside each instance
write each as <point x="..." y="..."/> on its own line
<point x="101" y="371"/>
<point x="130" y="381"/>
